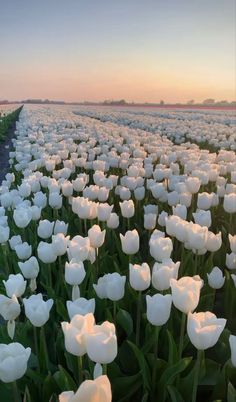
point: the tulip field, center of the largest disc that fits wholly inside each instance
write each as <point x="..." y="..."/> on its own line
<point x="118" y="256"/>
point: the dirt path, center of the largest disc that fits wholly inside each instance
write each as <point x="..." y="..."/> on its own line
<point x="4" y="152"/>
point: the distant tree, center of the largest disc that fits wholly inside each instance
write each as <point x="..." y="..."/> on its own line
<point x="190" y="102"/>
<point x="208" y="101"/>
<point x="223" y="102"/>
<point x="162" y="102"/>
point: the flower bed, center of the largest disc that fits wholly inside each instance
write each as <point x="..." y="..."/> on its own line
<point x="118" y="264"/>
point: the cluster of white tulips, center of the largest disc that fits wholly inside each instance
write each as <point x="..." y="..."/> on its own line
<point x="216" y="128"/>
<point x="118" y="257"/>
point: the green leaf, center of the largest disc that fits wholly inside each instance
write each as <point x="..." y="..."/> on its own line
<point x="124" y="387"/>
<point x="61" y="309"/>
<point x="169" y="376"/>
<point x="124" y="319"/>
<point x="142" y="364"/>
<point x="173" y="352"/>
<point x="231" y="393"/>
<point x="64" y="380"/>
<point x="174" y="394"/>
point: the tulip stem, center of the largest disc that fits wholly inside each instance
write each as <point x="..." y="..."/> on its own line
<point x="138" y="319"/>
<point x="4" y="250"/>
<point x="80" y="369"/>
<point x="15" y="392"/>
<point x="196" y="375"/>
<point x="155" y="351"/>
<point x="195" y="263"/>
<point x="45" y="347"/>
<point x="181" y="339"/>
<point x="104" y="369"/>
<point x="114" y="311"/>
<point x="36" y="344"/>
<point x="97" y="263"/>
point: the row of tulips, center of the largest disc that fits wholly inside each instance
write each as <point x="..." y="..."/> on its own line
<point x="109" y="289"/>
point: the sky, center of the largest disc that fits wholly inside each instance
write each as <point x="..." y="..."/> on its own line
<point x="137" y="50"/>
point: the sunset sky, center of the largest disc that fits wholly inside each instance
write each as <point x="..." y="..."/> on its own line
<point x="139" y="50"/>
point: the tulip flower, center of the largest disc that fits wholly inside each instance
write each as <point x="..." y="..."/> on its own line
<point x="9" y="310"/>
<point x="139" y="276"/>
<point x="127" y="208"/>
<point x="13" y="361"/>
<point x="4" y="234"/>
<point x="101" y="343"/>
<point x="15" y="285"/>
<point x="80" y="306"/>
<point x="113" y="221"/>
<point x="231" y="261"/>
<point x="158" y="308"/>
<point x="76" y="333"/>
<point x="22" y="217"/>
<point x="59" y="243"/>
<point x="96" y="236"/>
<point x="110" y="286"/>
<point x="229" y="203"/>
<point x="130" y="242"/>
<point x="37" y="310"/>
<point x="216" y="279"/>
<point x="232" y="242"/>
<point x="79" y="248"/>
<point x="204" y="329"/>
<point x="160" y="247"/>
<point x="46" y="252"/>
<point x="163" y="272"/>
<point x="45" y="229"/>
<point x="232" y="343"/>
<point x="23" y="251"/>
<point x="98" y="390"/>
<point x="29" y="268"/>
<point x="186" y="292"/>
<point x="74" y="272"/>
